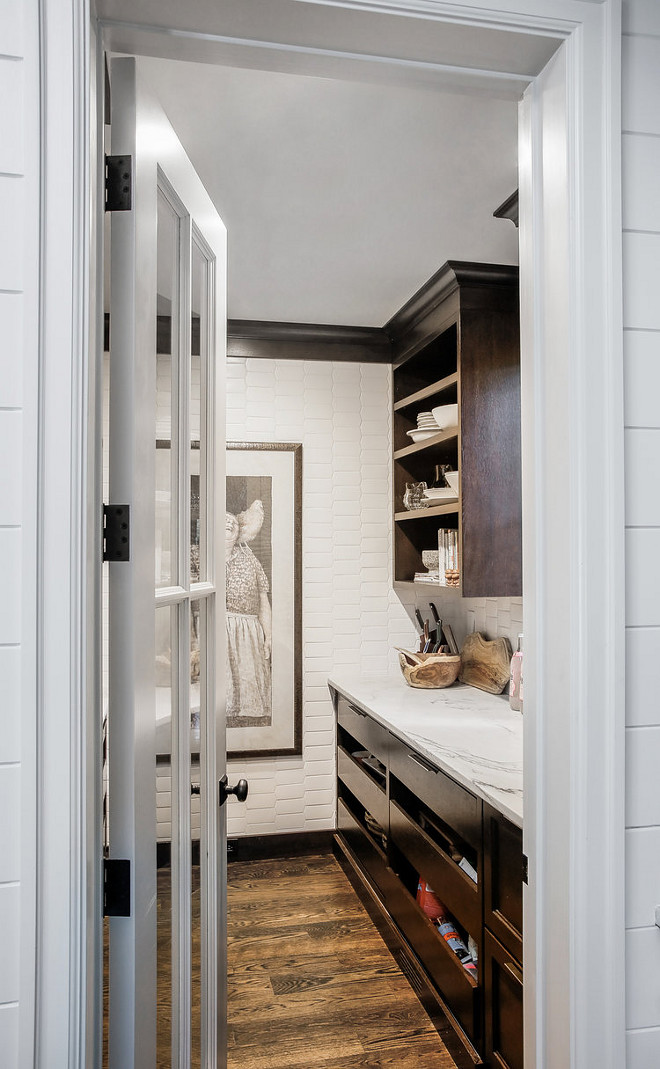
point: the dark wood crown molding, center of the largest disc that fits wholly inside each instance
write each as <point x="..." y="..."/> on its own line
<point x="451" y="276"/>
<point x="508" y="209"/>
<point x="306" y="341"/>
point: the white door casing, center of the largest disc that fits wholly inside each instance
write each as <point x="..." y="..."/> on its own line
<point x="586" y="629"/>
<point x="163" y="182"/>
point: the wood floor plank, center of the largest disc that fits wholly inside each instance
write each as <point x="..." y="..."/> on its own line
<point x="311" y="983"/>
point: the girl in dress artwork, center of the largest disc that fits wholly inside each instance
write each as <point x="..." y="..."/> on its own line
<point x="249" y="624"/>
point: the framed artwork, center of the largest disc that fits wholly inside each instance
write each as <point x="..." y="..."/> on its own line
<point x="263" y="542"/>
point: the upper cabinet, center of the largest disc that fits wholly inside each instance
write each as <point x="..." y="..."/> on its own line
<point x="457" y="341"/>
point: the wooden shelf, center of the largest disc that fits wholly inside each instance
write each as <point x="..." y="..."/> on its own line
<point x="428" y="443"/>
<point x="450" y="509"/>
<point x="429" y="391"/>
<point x="431" y="585"/>
<point x="458" y="341"/>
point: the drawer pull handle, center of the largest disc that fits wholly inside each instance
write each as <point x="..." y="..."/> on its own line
<point x="360" y="712"/>
<point x="516" y="973"/>
<point x="426" y="765"/>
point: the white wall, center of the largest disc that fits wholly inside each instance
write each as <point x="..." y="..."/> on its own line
<point x="18" y="349"/>
<point x="351" y="616"/>
<point x="641" y="249"/>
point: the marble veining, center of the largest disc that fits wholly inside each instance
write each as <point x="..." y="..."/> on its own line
<point x="472" y="736"/>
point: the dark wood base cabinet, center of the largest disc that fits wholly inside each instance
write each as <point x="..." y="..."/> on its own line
<point x="401" y="820"/>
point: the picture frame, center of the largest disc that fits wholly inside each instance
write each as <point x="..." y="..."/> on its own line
<point x="264" y="599"/>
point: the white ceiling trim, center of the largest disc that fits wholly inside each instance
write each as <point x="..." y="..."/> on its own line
<point x="310" y="50"/>
<point x="123" y="36"/>
<point x="433" y="11"/>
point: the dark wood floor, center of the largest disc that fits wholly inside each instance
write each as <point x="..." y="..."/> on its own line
<point x="311" y="983"/>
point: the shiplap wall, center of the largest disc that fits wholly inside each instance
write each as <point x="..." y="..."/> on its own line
<point x="19" y="206"/>
<point x="641" y="250"/>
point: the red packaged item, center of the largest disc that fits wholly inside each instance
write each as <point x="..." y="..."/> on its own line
<point x="429" y="902"/>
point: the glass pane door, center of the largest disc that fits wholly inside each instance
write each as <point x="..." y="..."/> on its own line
<point x="165" y="662"/>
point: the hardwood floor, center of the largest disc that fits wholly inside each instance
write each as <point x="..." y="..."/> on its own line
<point x="311" y="984"/>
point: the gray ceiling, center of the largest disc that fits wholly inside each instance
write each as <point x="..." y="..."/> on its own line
<point x="341" y="198"/>
<point x="345" y="150"/>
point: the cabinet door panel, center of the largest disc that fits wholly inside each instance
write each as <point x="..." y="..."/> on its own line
<point x="503" y="861"/>
<point x="504" y="1005"/>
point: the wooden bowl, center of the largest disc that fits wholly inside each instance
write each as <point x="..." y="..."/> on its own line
<point x="429" y="671"/>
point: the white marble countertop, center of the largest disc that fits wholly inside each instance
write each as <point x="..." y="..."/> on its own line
<point x="472" y="736"/>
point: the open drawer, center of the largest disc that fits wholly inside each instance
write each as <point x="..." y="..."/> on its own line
<point x="457" y="988"/>
<point x="365" y="730"/>
<point x="362" y="785"/>
<point x="454" y="888"/>
<point x="368" y="854"/>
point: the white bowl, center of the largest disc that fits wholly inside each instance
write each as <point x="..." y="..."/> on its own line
<point x="444" y="494"/>
<point x="452" y="478"/>
<point x="418" y="435"/>
<point x="446" y="416"/>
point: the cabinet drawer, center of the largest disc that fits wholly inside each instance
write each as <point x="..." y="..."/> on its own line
<point x="451" y="802"/>
<point x="365" y="730"/>
<point x="503" y="866"/>
<point x="363" y="787"/>
<point x="452" y="886"/>
<point x="503" y="982"/>
<point x="370" y="857"/>
<point x="457" y="988"/>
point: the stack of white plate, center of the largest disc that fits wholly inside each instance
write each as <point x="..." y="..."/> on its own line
<point x="426" y="427"/>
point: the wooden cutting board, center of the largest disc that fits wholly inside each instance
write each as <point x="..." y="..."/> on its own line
<point x="486" y="664"/>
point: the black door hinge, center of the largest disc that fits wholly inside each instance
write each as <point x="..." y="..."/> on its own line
<point x="525" y="869"/>
<point x="116" y="532"/>
<point x="118" y="183"/>
<point x="116" y="887"/>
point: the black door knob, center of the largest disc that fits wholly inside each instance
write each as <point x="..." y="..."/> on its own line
<point x="240" y="791"/>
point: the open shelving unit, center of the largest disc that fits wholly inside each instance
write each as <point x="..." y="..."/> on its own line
<point x="457" y="342"/>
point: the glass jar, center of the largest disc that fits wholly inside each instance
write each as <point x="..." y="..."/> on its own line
<point x="414" y="497"/>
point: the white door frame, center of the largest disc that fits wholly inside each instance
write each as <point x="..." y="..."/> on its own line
<point x="573" y="542"/>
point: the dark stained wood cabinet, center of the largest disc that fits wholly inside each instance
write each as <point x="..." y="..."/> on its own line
<point x="503" y="976"/>
<point x="401" y="819"/>
<point x="458" y="341"/>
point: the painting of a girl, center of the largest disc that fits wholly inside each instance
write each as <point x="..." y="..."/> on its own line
<point x="249" y="623"/>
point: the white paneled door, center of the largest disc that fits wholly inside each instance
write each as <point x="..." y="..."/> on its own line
<point x="167" y="996"/>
